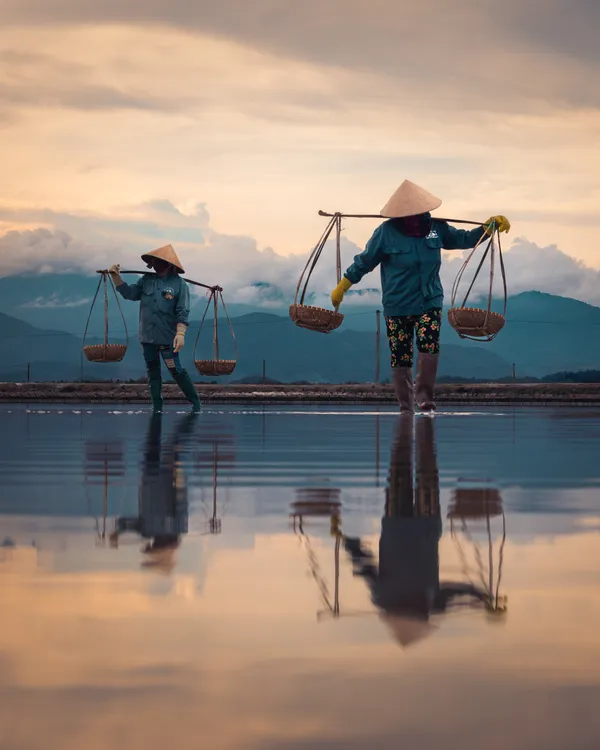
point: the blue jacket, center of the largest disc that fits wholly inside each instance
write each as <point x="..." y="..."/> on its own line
<point x="410" y="266"/>
<point x="163" y="304"/>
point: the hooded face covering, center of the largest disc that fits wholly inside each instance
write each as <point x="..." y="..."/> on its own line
<point x="159" y="265"/>
<point x="414" y="226"/>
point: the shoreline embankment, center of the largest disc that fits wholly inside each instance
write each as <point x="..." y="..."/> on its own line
<point x="465" y="393"/>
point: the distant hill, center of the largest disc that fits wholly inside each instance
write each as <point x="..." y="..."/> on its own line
<point x="291" y="353"/>
<point x="544" y="333"/>
<point x="53" y="355"/>
<point x="294" y="354"/>
<point x="62" y="301"/>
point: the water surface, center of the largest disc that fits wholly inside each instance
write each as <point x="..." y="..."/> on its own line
<point x="288" y="577"/>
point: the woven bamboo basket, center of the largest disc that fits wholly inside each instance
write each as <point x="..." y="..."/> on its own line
<point x="316" y="318"/>
<point x="475" y="503"/>
<point x="309" y="508"/>
<point x="318" y="494"/>
<point x="475" y="322"/>
<point x="105" y="352"/>
<point x="215" y="367"/>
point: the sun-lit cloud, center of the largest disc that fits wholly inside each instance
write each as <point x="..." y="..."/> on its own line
<point x="532" y="267"/>
<point x="268" y="114"/>
<point x="251" y="274"/>
<point x="54" y="301"/>
<point x="121" y="664"/>
<point x="469" y="45"/>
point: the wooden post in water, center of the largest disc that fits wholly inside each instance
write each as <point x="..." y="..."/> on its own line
<point x="105" y="314"/>
<point x="29" y="372"/>
<point x="514" y="373"/>
<point x="214" y="524"/>
<point x="377" y="346"/>
<point x="215" y="329"/>
<point x="377" y="447"/>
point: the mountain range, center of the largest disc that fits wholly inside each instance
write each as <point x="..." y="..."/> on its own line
<point x="290" y="353"/>
<point x="42" y="318"/>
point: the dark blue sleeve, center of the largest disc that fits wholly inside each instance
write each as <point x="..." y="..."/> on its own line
<point x="368" y="260"/>
<point x="182" y="307"/>
<point x="132" y="292"/>
<point x="459" y="239"/>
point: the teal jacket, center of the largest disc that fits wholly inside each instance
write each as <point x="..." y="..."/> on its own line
<point x="163" y="304"/>
<point x="410" y="266"/>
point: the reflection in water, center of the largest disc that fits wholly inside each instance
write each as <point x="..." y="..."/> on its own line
<point x="319" y="502"/>
<point x="405" y="584"/>
<point x="103" y="462"/>
<point x="163" y="496"/>
<point x="214" y="451"/>
<point x="472" y="509"/>
<point x="96" y="653"/>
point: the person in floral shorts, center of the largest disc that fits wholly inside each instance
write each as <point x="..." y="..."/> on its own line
<point x="401" y="330"/>
<point x="408" y="248"/>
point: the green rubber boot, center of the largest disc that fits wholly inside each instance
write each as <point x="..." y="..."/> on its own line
<point x="155" y="385"/>
<point x="188" y="389"/>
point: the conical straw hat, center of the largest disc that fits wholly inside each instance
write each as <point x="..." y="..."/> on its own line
<point x="409" y="200"/>
<point x="407" y="630"/>
<point x="165" y="253"/>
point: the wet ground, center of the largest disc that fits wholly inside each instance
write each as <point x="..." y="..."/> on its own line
<point x="288" y="577"/>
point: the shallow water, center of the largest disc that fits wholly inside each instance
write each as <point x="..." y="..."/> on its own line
<point x="157" y="591"/>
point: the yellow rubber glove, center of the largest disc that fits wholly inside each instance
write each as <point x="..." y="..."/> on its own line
<point x="502" y="224"/>
<point x="338" y="293"/>
<point x="115" y="275"/>
<point x="179" y="340"/>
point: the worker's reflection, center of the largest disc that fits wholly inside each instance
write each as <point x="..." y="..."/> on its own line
<point x="405" y="584"/>
<point x="163" y="499"/>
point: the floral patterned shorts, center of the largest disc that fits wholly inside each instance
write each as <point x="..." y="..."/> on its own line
<point x="401" y="331"/>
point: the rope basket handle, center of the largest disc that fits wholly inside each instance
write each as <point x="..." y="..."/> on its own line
<point x="103" y="276"/>
<point x="463" y="268"/>
<point x="235" y="344"/>
<point x="91" y="309"/>
<point x="120" y="310"/>
<point x="213" y="298"/>
<point x="335" y="222"/>
<point x="491" y="249"/>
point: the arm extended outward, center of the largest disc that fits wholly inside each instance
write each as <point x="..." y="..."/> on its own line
<point x="131" y="292"/>
<point x="364" y="263"/>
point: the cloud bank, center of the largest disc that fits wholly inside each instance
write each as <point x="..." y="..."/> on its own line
<point x="248" y="273"/>
<point x="272" y="110"/>
<point x="470" y="46"/>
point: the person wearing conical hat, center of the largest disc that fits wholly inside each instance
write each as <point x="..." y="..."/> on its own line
<point x="408" y="248"/>
<point x="164" y="300"/>
<point x="405" y="583"/>
<point x="163" y="505"/>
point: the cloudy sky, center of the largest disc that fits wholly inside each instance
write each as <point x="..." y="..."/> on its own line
<point x="224" y="127"/>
